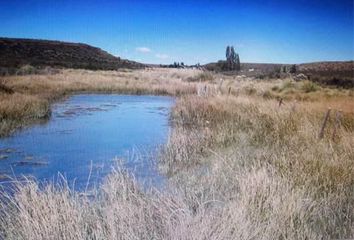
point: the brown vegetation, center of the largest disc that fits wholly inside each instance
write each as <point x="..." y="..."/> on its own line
<point x="339" y="74"/>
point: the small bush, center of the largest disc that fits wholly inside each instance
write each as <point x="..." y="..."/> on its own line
<point x="5" y="89"/>
<point x="50" y="71"/>
<point x="250" y="90"/>
<point x="267" y="95"/>
<point x="26" y="70"/>
<point x="287" y="85"/>
<point x="309" y="86"/>
<point x="275" y="88"/>
<point x="201" y="77"/>
<point x="260" y="76"/>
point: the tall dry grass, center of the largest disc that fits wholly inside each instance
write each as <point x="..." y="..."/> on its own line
<point x="250" y="152"/>
<point x="239" y="167"/>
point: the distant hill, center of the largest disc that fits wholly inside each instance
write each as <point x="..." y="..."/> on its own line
<point x="344" y="69"/>
<point x="246" y="68"/>
<point x="330" y="73"/>
<point x="15" y="53"/>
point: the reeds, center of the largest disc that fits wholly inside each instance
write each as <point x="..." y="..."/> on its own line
<point x="242" y="136"/>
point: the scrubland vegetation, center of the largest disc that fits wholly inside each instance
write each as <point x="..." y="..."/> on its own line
<point x="244" y="158"/>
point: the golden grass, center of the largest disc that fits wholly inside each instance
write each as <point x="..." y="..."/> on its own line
<point x="240" y="166"/>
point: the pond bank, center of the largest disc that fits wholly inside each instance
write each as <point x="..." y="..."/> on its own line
<point x="32" y="96"/>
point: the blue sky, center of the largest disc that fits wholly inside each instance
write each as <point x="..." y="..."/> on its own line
<point x="191" y="31"/>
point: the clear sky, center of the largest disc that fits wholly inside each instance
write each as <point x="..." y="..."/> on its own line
<point x="191" y="31"/>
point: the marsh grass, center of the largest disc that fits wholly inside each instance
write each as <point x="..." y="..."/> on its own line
<point x="201" y="77"/>
<point x="32" y="95"/>
<point x="240" y="167"/>
<point x="312" y="179"/>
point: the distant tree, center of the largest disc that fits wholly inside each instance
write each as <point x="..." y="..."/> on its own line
<point x="277" y="70"/>
<point x="293" y="69"/>
<point x="232" y="59"/>
<point x="238" y="63"/>
<point x="228" y="58"/>
<point x="228" y="52"/>
<point x="284" y="69"/>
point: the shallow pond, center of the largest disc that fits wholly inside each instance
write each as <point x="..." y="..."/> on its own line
<point x="85" y="136"/>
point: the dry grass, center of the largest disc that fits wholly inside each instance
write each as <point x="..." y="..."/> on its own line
<point x="240" y="167"/>
<point x="269" y="160"/>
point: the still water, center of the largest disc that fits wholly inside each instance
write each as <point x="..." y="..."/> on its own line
<point x="85" y="136"/>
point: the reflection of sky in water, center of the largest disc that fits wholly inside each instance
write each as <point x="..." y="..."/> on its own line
<point x="90" y="132"/>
